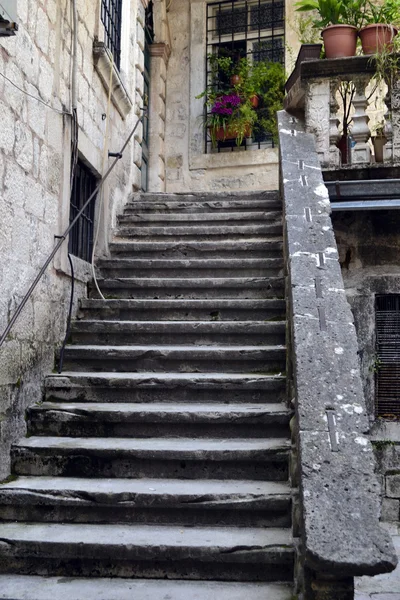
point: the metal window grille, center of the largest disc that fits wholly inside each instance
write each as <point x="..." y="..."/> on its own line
<point x="245" y="28"/>
<point x="387" y="363"/>
<point x="111" y="13"/>
<point x="80" y="241"/>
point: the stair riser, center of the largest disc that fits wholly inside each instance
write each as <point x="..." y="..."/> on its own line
<point x="272" y="467"/>
<point x="178" y="365"/>
<point x="50" y="426"/>
<point x="272" y="291"/>
<point x="139" y="235"/>
<point x="181" y="251"/>
<point x="44" y="511"/>
<point x="248" y="219"/>
<point x="174" y="568"/>
<point x="202" y="232"/>
<point x="275" y="393"/>
<point x="110" y="273"/>
<point x="177" y="338"/>
<point x="218" y="208"/>
<point x="180" y="313"/>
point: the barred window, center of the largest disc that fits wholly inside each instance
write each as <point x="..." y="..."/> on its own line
<point x="80" y="241"/>
<point x="111" y="13"/>
<point x="246" y="28"/>
<point x="387" y="359"/>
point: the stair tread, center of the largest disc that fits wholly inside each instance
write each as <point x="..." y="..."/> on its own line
<point x="157" y="350"/>
<point x="187" y="302"/>
<point x="153" y="377"/>
<point x="127" y="536"/>
<point x="189" y="281"/>
<point x="165" y="408"/>
<point x="173" y="446"/>
<point x="20" y="587"/>
<point x="187" y="262"/>
<point x="179" y="488"/>
<point x="191" y="326"/>
<point x="202" y="216"/>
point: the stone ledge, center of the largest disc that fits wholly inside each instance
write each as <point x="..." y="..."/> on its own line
<point x="339" y="491"/>
<point x="246" y="158"/>
<point x="103" y="64"/>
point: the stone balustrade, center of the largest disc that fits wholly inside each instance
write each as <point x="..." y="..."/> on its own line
<point x="336" y="491"/>
<point x="313" y="94"/>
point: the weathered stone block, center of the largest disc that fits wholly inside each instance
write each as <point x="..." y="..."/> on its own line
<point x="393" y="486"/>
<point x="390" y="509"/>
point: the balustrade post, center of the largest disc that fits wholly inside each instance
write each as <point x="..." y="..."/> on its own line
<point x="317" y="117"/>
<point x="334" y="134"/>
<point x="361" y="152"/>
<point x="394" y="113"/>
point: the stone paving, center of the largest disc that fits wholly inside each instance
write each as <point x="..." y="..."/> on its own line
<point x="382" y="587"/>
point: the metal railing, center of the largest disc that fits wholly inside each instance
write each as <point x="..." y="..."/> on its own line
<point x="64" y="235"/>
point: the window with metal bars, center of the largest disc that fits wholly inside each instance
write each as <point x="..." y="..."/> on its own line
<point x="245" y="28"/>
<point x="111" y="13"/>
<point x="387" y="362"/>
<point x="80" y="241"/>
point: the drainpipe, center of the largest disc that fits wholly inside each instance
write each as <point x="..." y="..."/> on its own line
<point x="74" y="100"/>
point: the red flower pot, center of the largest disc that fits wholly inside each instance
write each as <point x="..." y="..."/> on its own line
<point x="375" y="36"/>
<point x="340" y="41"/>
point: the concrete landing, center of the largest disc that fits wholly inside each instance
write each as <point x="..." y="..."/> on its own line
<point x="382" y="587"/>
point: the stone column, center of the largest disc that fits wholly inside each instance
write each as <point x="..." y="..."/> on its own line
<point x="394" y="112"/>
<point x="158" y="74"/>
<point x="361" y="152"/>
<point x="334" y="135"/>
<point x="317" y="116"/>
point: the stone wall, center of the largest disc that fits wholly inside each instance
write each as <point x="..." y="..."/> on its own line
<point x="188" y="168"/>
<point x="35" y="143"/>
<point x="369" y="249"/>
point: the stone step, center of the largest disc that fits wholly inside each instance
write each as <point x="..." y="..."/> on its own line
<point x="149" y="551"/>
<point x="158" y="420"/>
<point x="203" y="333"/>
<point x="212" y="207"/>
<point x="272" y="197"/>
<point x="192" y="288"/>
<point x="175" y="267"/>
<point x="214" y="309"/>
<point x="186" y="233"/>
<point x="165" y="387"/>
<point x="168" y="501"/>
<point x="203" y="458"/>
<point x="184" y="359"/>
<point x="186" y="218"/>
<point x="270" y="248"/>
<point x="23" y="587"/>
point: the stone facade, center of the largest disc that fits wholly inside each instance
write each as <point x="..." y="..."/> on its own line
<point x="187" y="165"/>
<point x="35" y="142"/>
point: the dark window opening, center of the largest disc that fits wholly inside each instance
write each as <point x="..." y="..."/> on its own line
<point x="387" y="359"/>
<point x="252" y="29"/>
<point x="111" y="14"/>
<point x="80" y="241"/>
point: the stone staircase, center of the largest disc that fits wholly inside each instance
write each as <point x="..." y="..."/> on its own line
<point x="161" y="452"/>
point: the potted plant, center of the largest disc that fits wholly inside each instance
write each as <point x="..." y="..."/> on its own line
<point x="229" y="117"/>
<point x="340" y="20"/>
<point x="379" y="140"/>
<point x="234" y="93"/>
<point x="381" y="27"/>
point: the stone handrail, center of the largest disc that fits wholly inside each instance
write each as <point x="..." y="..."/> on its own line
<point x="339" y="536"/>
<point x="313" y="95"/>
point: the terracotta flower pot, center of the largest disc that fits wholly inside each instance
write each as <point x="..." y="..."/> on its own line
<point x="375" y="36"/>
<point x="254" y="101"/>
<point x="379" y="144"/>
<point x="340" y="41"/>
<point x="230" y="133"/>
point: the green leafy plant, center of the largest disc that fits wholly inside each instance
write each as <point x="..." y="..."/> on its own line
<point x="387" y="12"/>
<point x="335" y="12"/>
<point x="387" y="63"/>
